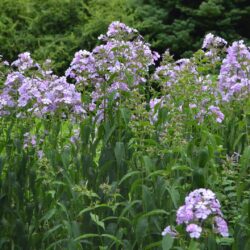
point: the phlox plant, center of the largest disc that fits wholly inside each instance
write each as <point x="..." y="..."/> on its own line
<point x="103" y="156"/>
<point x="118" y="66"/>
<point x="202" y="216"/>
<point x="189" y="94"/>
<point x="38" y="92"/>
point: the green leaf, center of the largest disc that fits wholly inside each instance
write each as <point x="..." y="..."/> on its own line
<point x="148" y="163"/>
<point x="193" y="245"/>
<point x="198" y="178"/>
<point x="181" y="168"/>
<point x="126" y="176"/>
<point x="103" y="248"/>
<point x="147" y="198"/>
<point x="159" y="173"/>
<point x="211" y="244"/>
<point x="153" y="245"/>
<point x="95" y="218"/>
<point x="175" y="196"/>
<point x="155" y="212"/>
<point x="225" y="241"/>
<point x="141" y="229"/>
<point x="1" y="166"/>
<point x="112" y="237"/>
<point x="119" y="153"/>
<point x="128" y="207"/>
<point x="109" y="133"/>
<point x="92" y="208"/>
<point x="51" y="231"/>
<point x="63" y="208"/>
<point x="238" y="139"/>
<point x="125" y="115"/>
<point x="85" y="236"/>
<point x="167" y="242"/>
<point x="48" y="215"/>
<point x="203" y="157"/>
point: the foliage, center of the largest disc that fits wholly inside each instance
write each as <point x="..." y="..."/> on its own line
<point x="179" y="25"/>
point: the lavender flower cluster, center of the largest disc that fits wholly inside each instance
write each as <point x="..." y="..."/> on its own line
<point x="203" y="92"/>
<point x="213" y="45"/>
<point x="234" y="77"/>
<point x="170" y="73"/>
<point x="182" y="78"/>
<point x="40" y="94"/>
<point x="200" y="206"/>
<point x="117" y="66"/>
<point x="212" y="41"/>
<point x="30" y="141"/>
<point x="153" y="114"/>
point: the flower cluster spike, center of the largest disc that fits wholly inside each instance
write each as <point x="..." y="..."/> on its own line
<point x="118" y="65"/>
<point x="234" y="77"/>
<point x="200" y="206"/>
<point x="39" y="94"/>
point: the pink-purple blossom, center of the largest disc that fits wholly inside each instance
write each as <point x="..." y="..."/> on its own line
<point x="118" y="65"/>
<point x="24" y="62"/>
<point x="221" y="226"/>
<point x="234" y="77"/>
<point x="217" y="112"/>
<point x="194" y="230"/>
<point x="211" y="40"/>
<point x="40" y="94"/>
<point x="181" y="80"/>
<point x="170" y="231"/>
<point x="29" y="140"/>
<point x="200" y="205"/>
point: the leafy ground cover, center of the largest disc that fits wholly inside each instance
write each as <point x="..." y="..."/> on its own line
<point x="128" y="149"/>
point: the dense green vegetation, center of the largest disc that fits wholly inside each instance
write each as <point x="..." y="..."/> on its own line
<point x="57" y="28"/>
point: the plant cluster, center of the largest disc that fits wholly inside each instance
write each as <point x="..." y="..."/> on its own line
<point x="103" y="156"/>
<point x="200" y="205"/>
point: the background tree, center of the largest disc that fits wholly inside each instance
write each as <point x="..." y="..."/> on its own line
<point x="57" y="28"/>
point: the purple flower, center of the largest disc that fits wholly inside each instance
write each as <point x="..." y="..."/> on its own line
<point x="154" y="102"/>
<point x="39" y="95"/>
<point x="118" y="86"/>
<point x="202" y="211"/>
<point x="119" y="65"/>
<point x="213" y="41"/>
<point x="199" y="205"/>
<point x="76" y="136"/>
<point x="118" y="28"/>
<point x="24" y="62"/>
<point x="221" y="226"/>
<point x="154" y="113"/>
<point x="169" y="231"/>
<point x="29" y="140"/>
<point x="194" y="230"/>
<point x="219" y="115"/>
<point x="234" y="73"/>
<point x="185" y="214"/>
<point x="192" y="105"/>
<point x="40" y="154"/>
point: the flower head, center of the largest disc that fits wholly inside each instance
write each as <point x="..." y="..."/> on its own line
<point x="199" y="205"/>
<point x="221" y="226"/>
<point x="169" y="231"/>
<point x="194" y="230"/>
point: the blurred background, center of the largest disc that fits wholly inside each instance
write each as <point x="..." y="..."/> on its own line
<point x="56" y="29"/>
